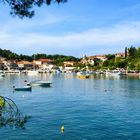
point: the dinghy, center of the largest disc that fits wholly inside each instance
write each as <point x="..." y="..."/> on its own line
<point x="25" y="88"/>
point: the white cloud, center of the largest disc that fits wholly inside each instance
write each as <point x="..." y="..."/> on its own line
<point x="120" y="35"/>
<point x="16" y="25"/>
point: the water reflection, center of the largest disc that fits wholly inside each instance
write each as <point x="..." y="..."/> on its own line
<point x="123" y="85"/>
<point x="96" y="108"/>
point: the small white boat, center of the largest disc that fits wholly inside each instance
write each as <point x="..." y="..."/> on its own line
<point x="12" y="71"/>
<point x="40" y="83"/>
<point x="32" y="72"/>
<point x="117" y="73"/>
<point x="25" y="88"/>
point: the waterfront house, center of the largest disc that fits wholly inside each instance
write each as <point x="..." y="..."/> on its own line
<point x="101" y="57"/>
<point x="68" y="63"/>
<point x="44" y="63"/>
<point x="120" y="55"/>
<point x="13" y="65"/>
<point x="84" y="60"/>
<point x="69" y="66"/>
<point x="25" y="65"/>
<point x="93" y="59"/>
<point x="10" y="64"/>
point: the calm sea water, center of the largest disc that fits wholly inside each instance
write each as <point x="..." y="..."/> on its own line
<point x="98" y="108"/>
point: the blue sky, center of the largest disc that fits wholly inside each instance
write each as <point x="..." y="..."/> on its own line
<point x="76" y="28"/>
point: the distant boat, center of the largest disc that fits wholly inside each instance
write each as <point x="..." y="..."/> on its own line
<point x="32" y="72"/>
<point x="12" y="71"/>
<point x="25" y="88"/>
<point x="83" y="75"/>
<point x="116" y="73"/>
<point x="40" y="83"/>
<point x="2" y="74"/>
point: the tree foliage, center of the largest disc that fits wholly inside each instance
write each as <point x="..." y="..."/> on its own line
<point x="132" y="51"/>
<point x="126" y="52"/>
<point x="10" y="114"/>
<point x="58" y="59"/>
<point x="24" y="8"/>
<point x="131" y="60"/>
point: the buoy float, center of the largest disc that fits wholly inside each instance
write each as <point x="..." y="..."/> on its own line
<point x="62" y="129"/>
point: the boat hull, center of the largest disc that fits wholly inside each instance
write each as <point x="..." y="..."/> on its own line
<point x="83" y="76"/>
<point x="40" y="83"/>
<point x="29" y="88"/>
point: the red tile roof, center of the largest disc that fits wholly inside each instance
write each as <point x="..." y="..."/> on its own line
<point x="46" y="60"/>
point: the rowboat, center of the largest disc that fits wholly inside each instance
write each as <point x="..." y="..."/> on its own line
<point x="25" y="88"/>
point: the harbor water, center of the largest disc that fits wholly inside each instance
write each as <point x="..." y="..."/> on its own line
<point x="98" y="108"/>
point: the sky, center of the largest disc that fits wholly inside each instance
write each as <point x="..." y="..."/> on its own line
<point x="78" y="27"/>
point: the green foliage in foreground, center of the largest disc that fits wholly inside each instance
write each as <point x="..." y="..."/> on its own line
<point x="10" y="115"/>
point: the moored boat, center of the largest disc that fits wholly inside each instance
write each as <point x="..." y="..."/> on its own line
<point x="117" y="73"/>
<point x="12" y="71"/>
<point x="25" y="88"/>
<point x="40" y="83"/>
<point x="82" y="75"/>
<point x="32" y="72"/>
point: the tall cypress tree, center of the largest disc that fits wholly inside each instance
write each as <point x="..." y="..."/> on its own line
<point x="125" y="52"/>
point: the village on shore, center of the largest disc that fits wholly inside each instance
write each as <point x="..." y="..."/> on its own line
<point x="120" y="63"/>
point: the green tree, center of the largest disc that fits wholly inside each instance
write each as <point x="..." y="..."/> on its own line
<point x="138" y="52"/>
<point x="106" y="63"/>
<point x="131" y="66"/>
<point x="110" y="56"/>
<point x="24" y="8"/>
<point x="120" y="64"/>
<point x="132" y="51"/>
<point x="111" y="63"/>
<point x="125" y="52"/>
